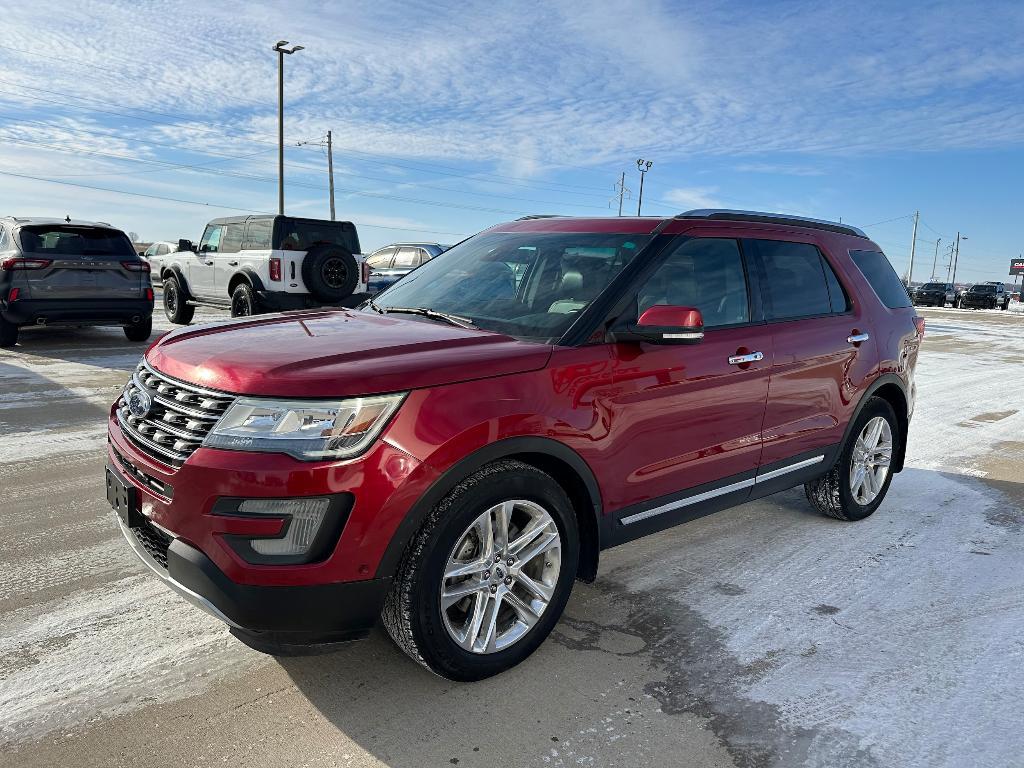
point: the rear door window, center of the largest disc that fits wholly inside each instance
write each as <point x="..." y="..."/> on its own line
<point x="704" y="273"/>
<point x="303" y="234"/>
<point x="406" y="258"/>
<point x="793" y="280"/>
<point x="883" y="278"/>
<point x="231" y="242"/>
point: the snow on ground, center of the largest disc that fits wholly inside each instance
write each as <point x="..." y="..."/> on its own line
<point x="798" y="640"/>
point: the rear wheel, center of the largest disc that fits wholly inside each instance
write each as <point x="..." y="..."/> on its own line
<point x="860" y="478"/>
<point x="487" y="577"/>
<point x="175" y="308"/>
<point x="8" y="333"/>
<point x="243" y="301"/>
<point x="139" y="331"/>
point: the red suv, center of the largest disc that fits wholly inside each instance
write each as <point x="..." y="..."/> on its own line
<point x="453" y="454"/>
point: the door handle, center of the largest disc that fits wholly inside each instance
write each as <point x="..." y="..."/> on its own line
<point x="232" y="263"/>
<point x="857" y="338"/>
<point x="753" y="357"/>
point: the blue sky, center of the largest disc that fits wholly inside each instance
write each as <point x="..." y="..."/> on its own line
<point x="449" y="119"/>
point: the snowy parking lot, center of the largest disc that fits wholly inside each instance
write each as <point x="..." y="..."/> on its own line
<point x="765" y="635"/>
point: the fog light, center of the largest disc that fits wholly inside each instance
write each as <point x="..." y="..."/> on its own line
<point x="304" y="518"/>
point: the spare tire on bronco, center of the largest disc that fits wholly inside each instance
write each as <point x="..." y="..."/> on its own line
<point x="330" y="272"/>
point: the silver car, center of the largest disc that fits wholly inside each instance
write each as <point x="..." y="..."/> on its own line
<point x="56" y="272"/>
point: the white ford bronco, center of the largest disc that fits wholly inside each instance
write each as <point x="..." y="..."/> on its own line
<point x="255" y="264"/>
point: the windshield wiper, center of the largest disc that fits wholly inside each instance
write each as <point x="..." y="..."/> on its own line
<point x="433" y="314"/>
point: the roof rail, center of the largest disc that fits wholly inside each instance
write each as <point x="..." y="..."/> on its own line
<point x="539" y="216"/>
<point x="772" y="218"/>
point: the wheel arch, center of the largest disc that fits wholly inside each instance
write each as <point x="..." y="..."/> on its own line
<point x="175" y="272"/>
<point x="892" y="389"/>
<point x="550" y="456"/>
<point x="245" y="275"/>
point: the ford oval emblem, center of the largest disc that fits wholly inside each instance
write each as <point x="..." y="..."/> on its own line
<point x="139" y="403"/>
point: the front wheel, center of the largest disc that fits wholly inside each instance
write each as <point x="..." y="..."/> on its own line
<point x="860" y="478"/>
<point x="139" y="331"/>
<point x="175" y="306"/>
<point x="487" y="576"/>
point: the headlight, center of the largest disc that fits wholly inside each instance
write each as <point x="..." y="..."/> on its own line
<point x="309" y="430"/>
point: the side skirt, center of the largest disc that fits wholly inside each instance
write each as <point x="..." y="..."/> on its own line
<point x="639" y="520"/>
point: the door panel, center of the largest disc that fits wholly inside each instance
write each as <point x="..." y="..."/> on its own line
<point x="818" y="373"/>
<point x="202" y="265"/>
<point x="683" y="415"/>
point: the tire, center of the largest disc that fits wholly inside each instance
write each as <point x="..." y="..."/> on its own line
<point x="175" y="308"/>
<point x="139" y="331"/>
<point x="330" y="272"/>
<point x="413" y="613"/>
<point x="832" y="494"/>
<point x="243" y="301"/>
<point x="8" y="333"/>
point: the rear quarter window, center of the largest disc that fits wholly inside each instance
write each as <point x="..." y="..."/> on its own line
<point x="883" y="278"/>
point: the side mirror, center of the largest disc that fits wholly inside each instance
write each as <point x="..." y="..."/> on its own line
<point x="185" y="245"/>
<point x="665" y="324"/>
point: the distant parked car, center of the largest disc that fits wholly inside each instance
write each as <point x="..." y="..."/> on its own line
<point x="990" y="295"/>
<point x="254" y="264"/>
<point x="935" y="295"/>
<point x="57" y="272"/>
<point x="157" y="253"/>
<point x="395" y="261"/>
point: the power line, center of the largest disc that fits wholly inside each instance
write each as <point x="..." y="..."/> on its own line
<point x="205" y="205"/>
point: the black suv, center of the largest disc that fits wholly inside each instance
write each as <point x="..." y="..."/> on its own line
<point x="935" y="295"/>
<point x="63" y="272"/>
<point x="985" y="296"/>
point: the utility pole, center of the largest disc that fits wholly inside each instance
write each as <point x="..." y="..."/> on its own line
<point x="281" y="51"/>
<point x="328" y="144"/>
<point x="956" y="255"/>
<point x="643" y="167"/>
<point x="330" y="170"/>
<point x="913" y="245"/>
<point x="621" y="186"/>
<point x="935" y="261"/>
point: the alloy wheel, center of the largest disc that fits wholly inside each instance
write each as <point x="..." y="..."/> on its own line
<point x="869" y="463"/>
<point x="501" y="576"/>
<point x="334" y="273"/>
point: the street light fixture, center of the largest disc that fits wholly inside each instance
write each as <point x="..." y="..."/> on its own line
<point x="281" y="51"/>
<point x="642" y="166"/>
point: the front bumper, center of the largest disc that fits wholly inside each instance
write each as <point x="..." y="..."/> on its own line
<point x="76" y="311"/>
<point x="288" y="615"/>
<point x="971" y="302"/>
<point x="932" y="300"/>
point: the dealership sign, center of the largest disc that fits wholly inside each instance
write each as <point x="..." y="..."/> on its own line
<point x="1017" y="266"/>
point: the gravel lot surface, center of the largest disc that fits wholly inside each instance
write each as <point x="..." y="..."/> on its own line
<point x="761" y="636"/>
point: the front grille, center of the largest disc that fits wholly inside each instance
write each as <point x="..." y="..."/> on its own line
<point x="179" y="418"/>
<point x="154" y="541"/>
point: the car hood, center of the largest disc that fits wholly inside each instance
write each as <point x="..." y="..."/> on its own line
<point x="338" y="353"/>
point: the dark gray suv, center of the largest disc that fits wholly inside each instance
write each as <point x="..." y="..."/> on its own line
<point x="57" y="272"/>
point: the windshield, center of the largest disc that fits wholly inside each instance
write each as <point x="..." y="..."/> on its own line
<point x="57" y="240"/>
<point x="983" y="289"/>
<point x="530" y="285"/>
<point x="933" y="287"/>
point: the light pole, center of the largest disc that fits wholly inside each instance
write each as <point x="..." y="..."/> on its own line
<point x="643" y="167"/>
<point x="281" y="51"/>
<point x="935" y="261"/>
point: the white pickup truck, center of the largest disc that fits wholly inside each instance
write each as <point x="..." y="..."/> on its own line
<point x="255" y="264"/>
